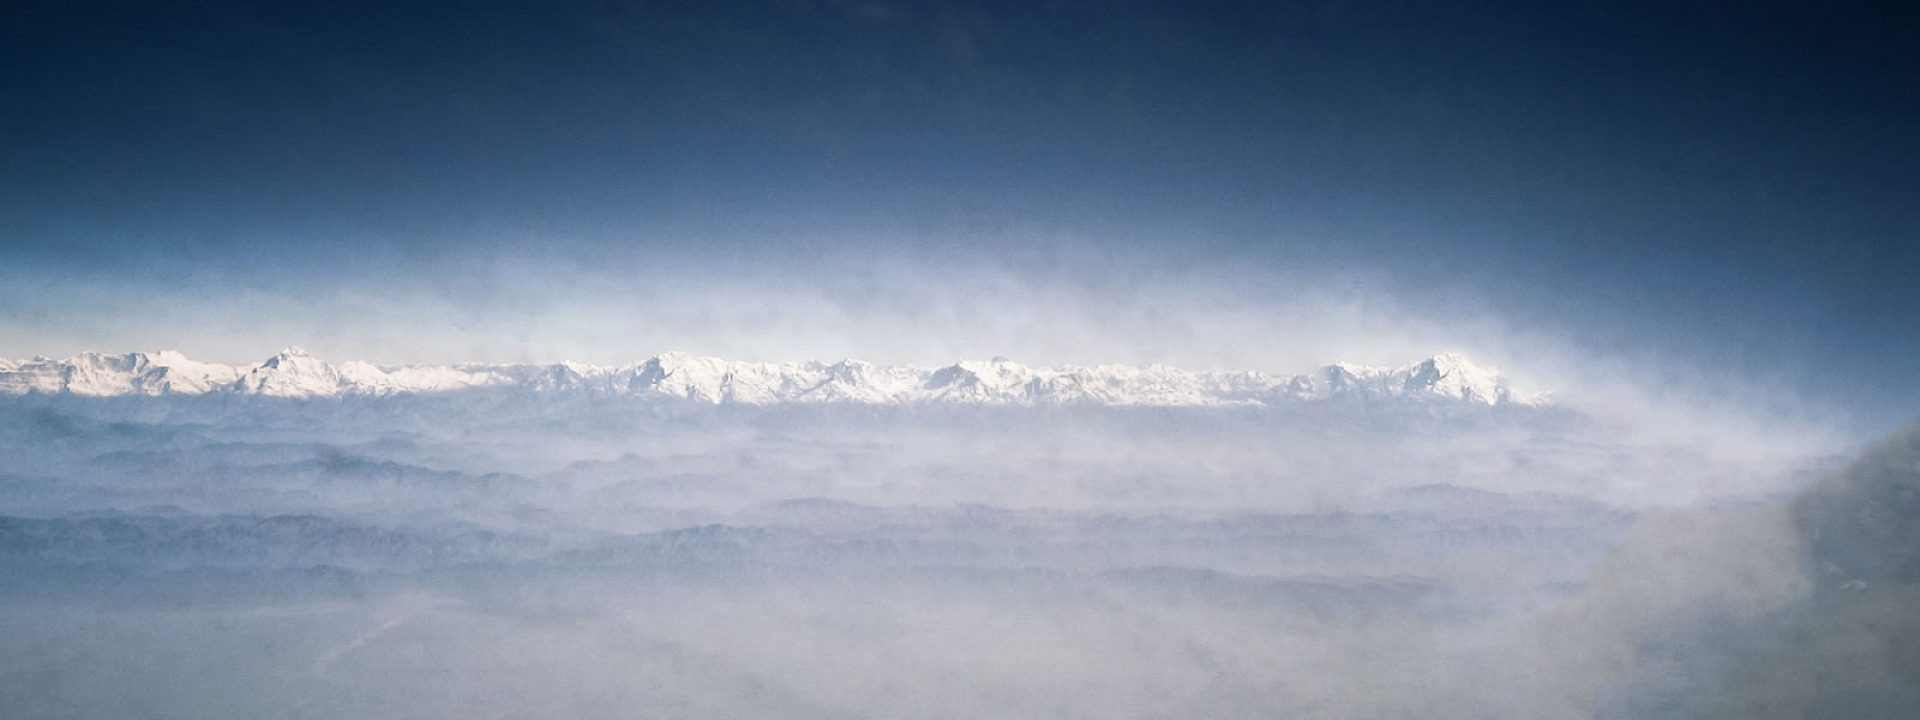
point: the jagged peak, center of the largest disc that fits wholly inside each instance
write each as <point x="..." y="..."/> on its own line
<point x="290" y="357"/>
<point x="1451" y="361"/>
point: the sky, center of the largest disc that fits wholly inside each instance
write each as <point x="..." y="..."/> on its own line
<point x="1728" y="195"/>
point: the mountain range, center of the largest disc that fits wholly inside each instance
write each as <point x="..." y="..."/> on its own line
<point x="293" y="373"/>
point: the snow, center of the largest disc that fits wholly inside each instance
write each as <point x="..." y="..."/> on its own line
<point x="102" y="375"/>
<point x="293" y="373"/>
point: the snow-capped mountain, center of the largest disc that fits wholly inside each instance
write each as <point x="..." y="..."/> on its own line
<point x="95" y="374"/>
<point x="295" y="374"/>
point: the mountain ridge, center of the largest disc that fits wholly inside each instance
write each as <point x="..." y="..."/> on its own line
<point x="294" y="373"/>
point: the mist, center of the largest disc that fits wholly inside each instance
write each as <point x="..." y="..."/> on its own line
<point x="935" y="359"/>
<point x="456" y="556"/>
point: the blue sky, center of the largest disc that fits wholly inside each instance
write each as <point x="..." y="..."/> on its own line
<point x="1719" y="193"/>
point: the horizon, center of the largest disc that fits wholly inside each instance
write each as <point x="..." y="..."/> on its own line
<point x="1722" y="194"/>
<point x="297" y="350"/>
<point x="1354" y="359"/>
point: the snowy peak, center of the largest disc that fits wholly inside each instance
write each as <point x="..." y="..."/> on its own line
<point x="1447" y="376"/>
<point x="293" y="373"/>
<point x="1450" y="375"/>
<point x="992" y="381"/>
<point x="101" y="375"/>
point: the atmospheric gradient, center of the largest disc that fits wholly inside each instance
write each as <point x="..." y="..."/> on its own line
<point x="938" y="359"/>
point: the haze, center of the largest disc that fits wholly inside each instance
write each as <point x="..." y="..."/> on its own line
<point x="823" y="358"/>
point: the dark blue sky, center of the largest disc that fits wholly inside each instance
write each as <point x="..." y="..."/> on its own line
<point x="1733" y="188"/>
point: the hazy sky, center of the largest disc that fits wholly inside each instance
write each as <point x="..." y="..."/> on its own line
<point x="1730" y="192"/>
